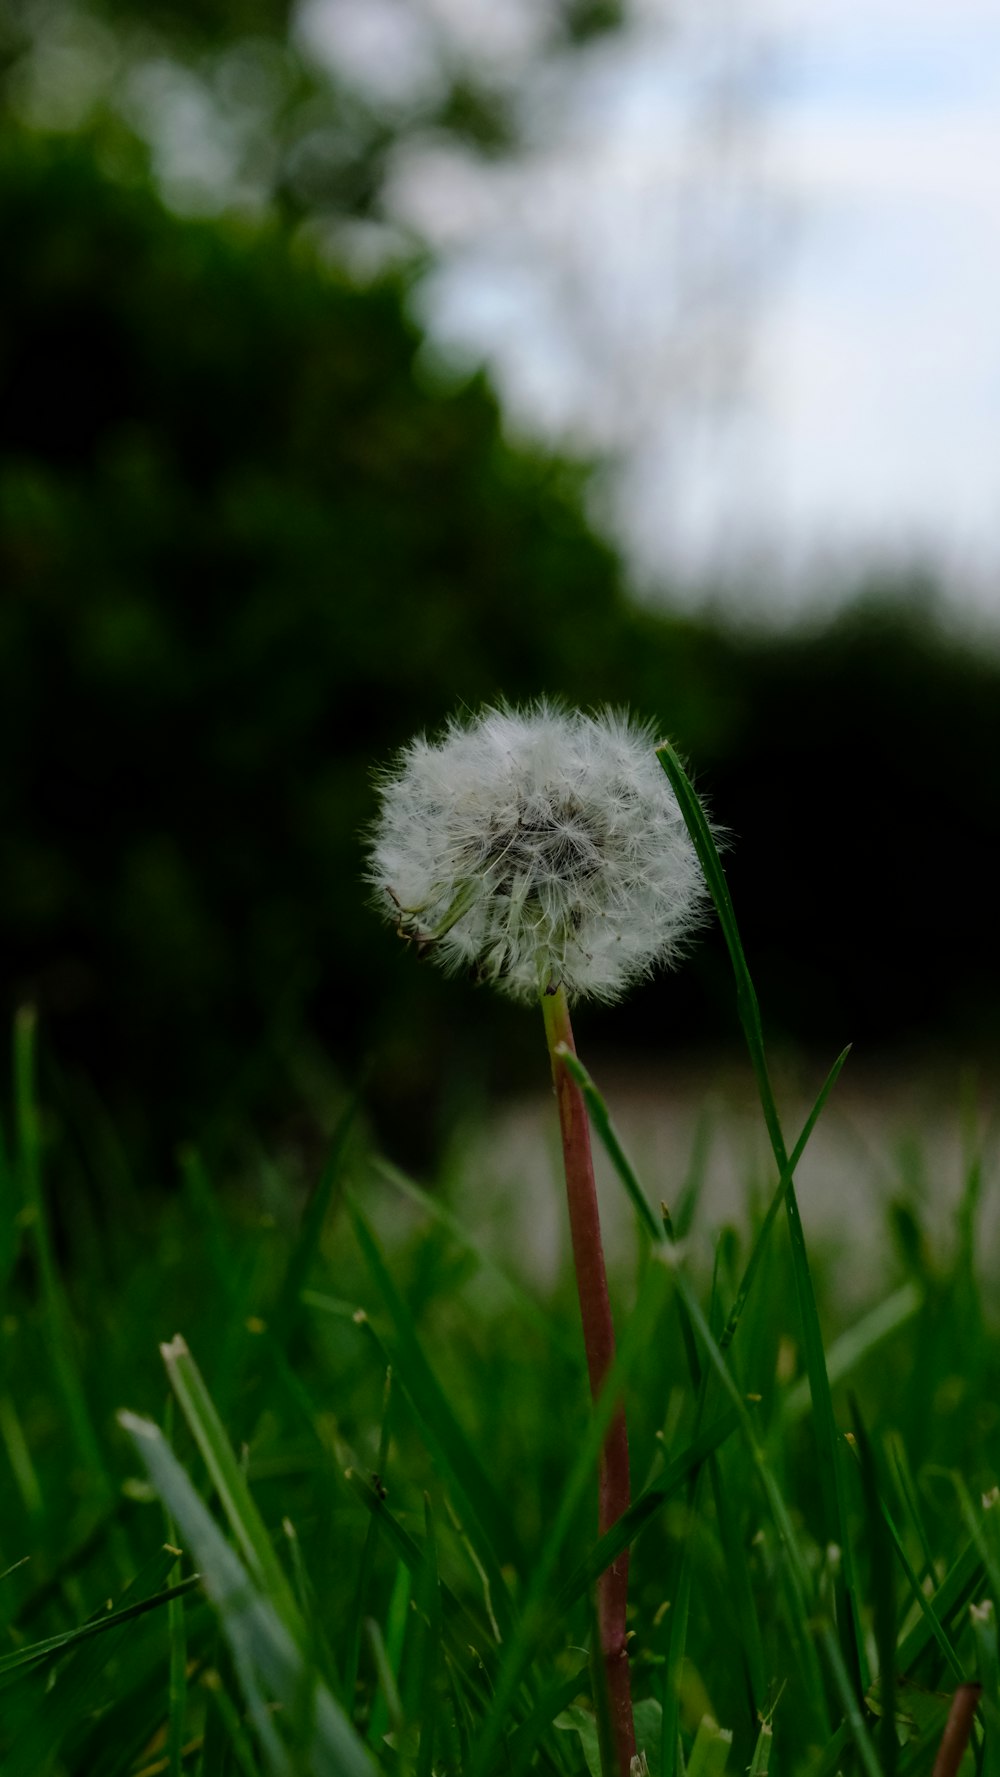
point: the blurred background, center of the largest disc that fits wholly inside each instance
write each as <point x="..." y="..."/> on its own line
<point x="365" y="358"/>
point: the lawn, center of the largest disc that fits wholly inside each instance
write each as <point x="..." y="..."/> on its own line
<point x="299" y="1478"/>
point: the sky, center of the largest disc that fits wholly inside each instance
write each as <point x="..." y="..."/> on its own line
<point x="749" y="252"/>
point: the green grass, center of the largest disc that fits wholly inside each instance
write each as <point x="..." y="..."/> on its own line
<point x="382" y="1473"/>
<point x="296" y="1477"/>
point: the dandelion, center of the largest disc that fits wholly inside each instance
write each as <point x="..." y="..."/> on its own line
<point x="544" y="851"/>
<point x="538" y="850"/>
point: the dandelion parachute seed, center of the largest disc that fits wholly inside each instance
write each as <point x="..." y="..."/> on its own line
<point x="539" y="849"/>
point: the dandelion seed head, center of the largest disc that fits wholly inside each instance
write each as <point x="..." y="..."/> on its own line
<point x="537" y="848"/>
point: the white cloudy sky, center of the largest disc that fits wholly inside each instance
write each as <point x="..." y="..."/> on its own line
<point x="748" y="252"/>
<point x="879" y="375"/>
<point x="751" y="248"/>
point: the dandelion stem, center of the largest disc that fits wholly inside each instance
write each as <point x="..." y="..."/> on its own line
<point x="599" y="1340"/>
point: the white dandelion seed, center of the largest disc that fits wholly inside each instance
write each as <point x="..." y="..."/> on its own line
<point x="539" y="849"/>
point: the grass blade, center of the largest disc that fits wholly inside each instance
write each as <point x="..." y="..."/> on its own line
<point x="463" y="1631"/>
<point x="925" y="1605"/>
<point x="962" y="1578"/>
<point x="837" y="1528"/>
<point x="535" y="1617"/>
<point x="266" y="1655"/>
<point x="229" y="1482"/>
<point x="600" y="1117"/>
<point x="19" y="1457"/>
<point x="907" y="1489"/>
<point x="760" y="1762"/>
<point x="854" y="1718"/>
<point x="445" y="1437"/>
<point x="283" y="1317"/>
<point x="711" y="1749"/>
<point x="526" y="1304"/>
<point x="746" y="994"/>
<point x="607" y="1134"/>
<point x="621" y="1535"/>
<point x="882" y="1593"/>
<point x="360" y="1610"/>
<point x="176" y="1685"/>
<point x="670" y="1727"/>
<point x="795" y="1572"/>
<point x="424" y="1680"/>
<point x="866" y="1336"/>
<point x="58" y="1321"/>
<point x="89" y="1649"/>
<point x="35" y="1651"/>
<point x="388" y="1710"/>
<point x="744" y="1604"/>
<point x="553" y="1702"/>
<point x="779" y="1196"/>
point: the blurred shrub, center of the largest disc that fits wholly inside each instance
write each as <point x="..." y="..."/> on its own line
<point x="247" y="547"/>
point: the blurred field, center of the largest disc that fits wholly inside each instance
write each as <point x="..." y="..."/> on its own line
<point x="894" y="1146"/>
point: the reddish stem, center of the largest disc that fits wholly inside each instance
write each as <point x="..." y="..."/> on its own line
<point x="957" y="1729"/>
<point x="599" y="1340"/>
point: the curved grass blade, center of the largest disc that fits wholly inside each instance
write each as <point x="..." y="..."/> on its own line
<point x="746" y="994"/>
<point x="229" y="1481"/>
<point x="614" y="1148"/>
<point x="268" y="1660"/>
<point x="600" y="1117"/>
<point x="834" y="1504"/>
<point x="780" y="1196"/>
<point x="934" y="1623"/>
<point x="961" y="1580"/>
<point x="101" y="1625"/>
